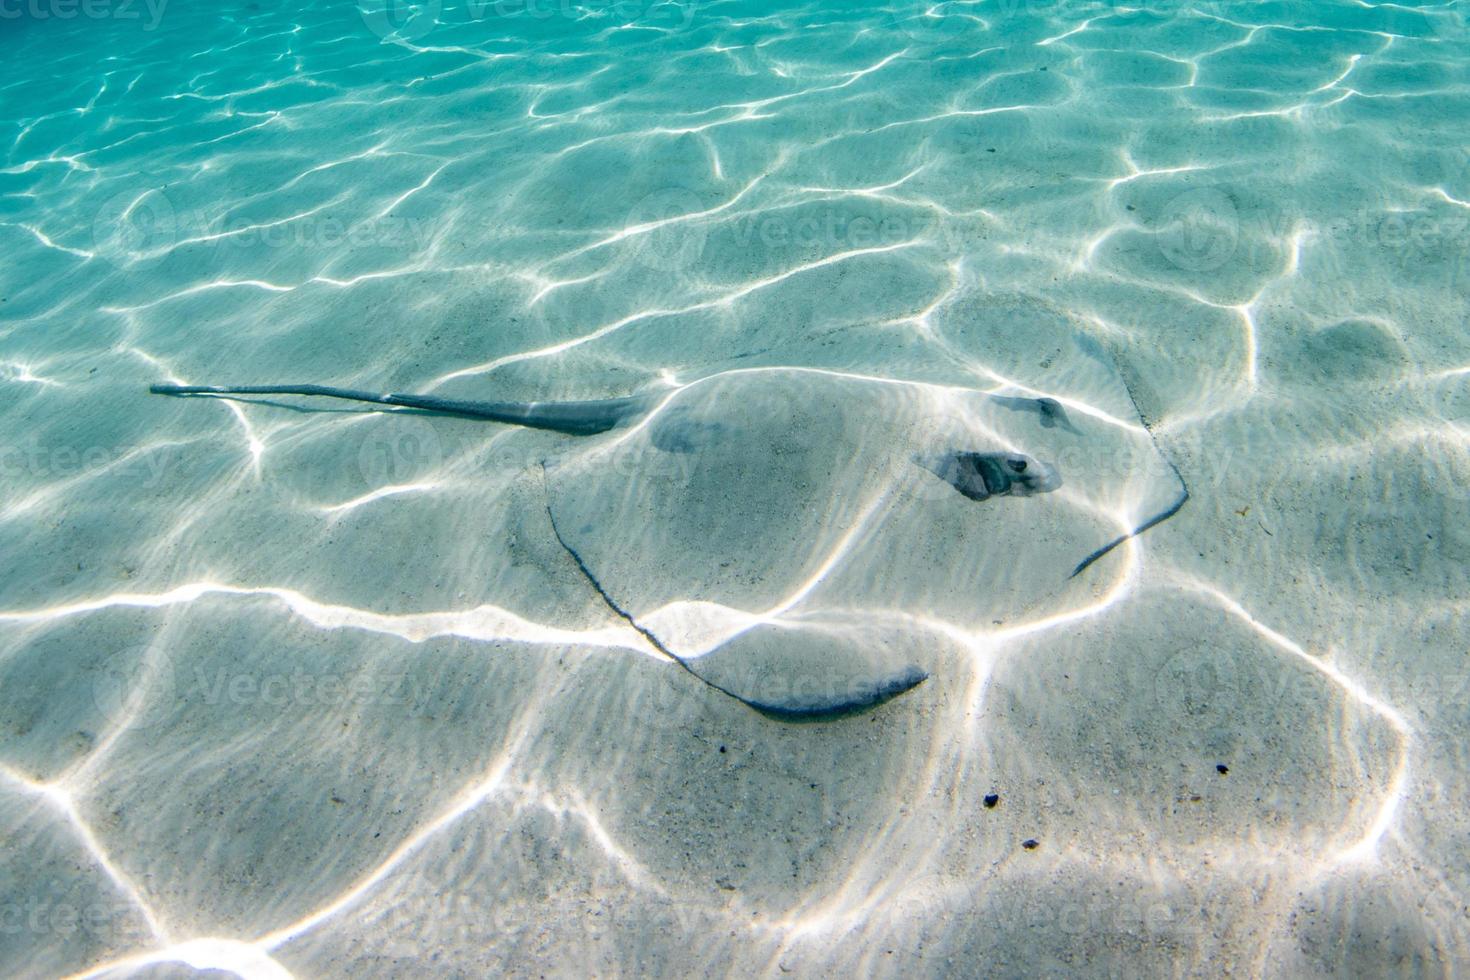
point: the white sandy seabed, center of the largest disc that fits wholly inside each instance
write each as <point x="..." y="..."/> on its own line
<point x="317" y="693"/>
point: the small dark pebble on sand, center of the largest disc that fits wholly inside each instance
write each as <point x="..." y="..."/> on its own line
<point x="1222" y="769"/>
<point x="991" y="799"/>
<point x="1031" y="843"/>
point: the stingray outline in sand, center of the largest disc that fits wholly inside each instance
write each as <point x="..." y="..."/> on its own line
<point x="584" y="418"/>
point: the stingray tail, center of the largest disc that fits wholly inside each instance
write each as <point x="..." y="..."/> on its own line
<point x="323" y="390"/>
<point x="479" y="410"/>
<point x="572" y="418"/>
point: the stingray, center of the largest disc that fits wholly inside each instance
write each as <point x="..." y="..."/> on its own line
<point x="816" y="502"/>
<point x="826" y="505"/>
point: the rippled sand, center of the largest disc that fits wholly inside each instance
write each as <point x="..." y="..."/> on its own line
<point x="318" y="693"/>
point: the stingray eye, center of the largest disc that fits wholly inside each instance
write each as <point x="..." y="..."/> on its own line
<point x="1018" y="464"/>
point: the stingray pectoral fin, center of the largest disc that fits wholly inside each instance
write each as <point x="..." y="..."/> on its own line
<point x="813" y="706"/>
<point x="790" y="673"/>
<point x="806" y="672"/>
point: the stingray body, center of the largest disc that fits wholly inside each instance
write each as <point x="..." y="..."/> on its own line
<point x="775" y="564"/>
<point x="803" y="528"/>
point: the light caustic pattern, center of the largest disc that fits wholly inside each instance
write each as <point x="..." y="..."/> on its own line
<point x="288" y="693"/>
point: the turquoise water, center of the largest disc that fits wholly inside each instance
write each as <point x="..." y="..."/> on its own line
<point x="293" y="687"/>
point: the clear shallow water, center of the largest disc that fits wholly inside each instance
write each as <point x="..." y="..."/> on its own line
<point x="320" y="693"/>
